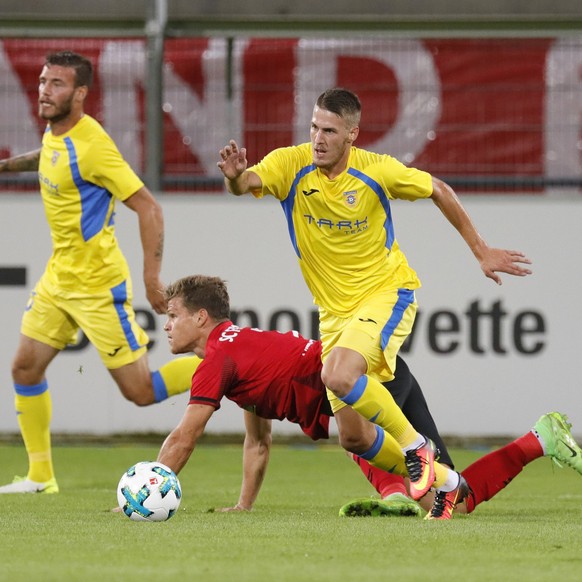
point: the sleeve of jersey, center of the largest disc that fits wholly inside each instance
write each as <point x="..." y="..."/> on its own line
<point x="110" y="171"/>
<point x="274" y="171"/>
<point x="207" y="383"/>
<point x="406" y="183"/>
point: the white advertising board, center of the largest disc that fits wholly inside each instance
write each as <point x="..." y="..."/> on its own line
<point x="490" y="359"/>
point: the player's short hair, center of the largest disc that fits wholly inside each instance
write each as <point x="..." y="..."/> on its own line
<point x="342" y="102"/>
<point x="201" y="292"/>
<point x="82" y="65"/>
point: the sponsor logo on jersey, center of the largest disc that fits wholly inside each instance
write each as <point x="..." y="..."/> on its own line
<point x="345" y="226"/>
<point x="51" y="187"/>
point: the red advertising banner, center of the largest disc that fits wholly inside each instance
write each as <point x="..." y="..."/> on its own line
<point x="502" y="108"/>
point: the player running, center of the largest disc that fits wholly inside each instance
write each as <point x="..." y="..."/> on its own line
<point x="336" y="199"/>
<point x="86" y="283"/>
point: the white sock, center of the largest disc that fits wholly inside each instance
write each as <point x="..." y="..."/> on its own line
<point x="416" y="443"/>
<point x="452" y="481"/>
<point x="540" y="439"/>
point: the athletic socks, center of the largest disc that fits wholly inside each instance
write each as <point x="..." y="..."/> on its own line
<point x="490" y="474"/>
<point x="174" y="377"/>
<point x="386" y="454"/>
<point x="384" y="482"/>
<point x="486" y="477"/>
<point x="370" y="398"/>
<point x="34" y="409"/>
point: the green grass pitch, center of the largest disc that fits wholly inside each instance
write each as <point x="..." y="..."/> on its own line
<point x="531" y="531"/>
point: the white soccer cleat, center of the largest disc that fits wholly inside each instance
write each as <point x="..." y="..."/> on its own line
<point x="21" y="485"/>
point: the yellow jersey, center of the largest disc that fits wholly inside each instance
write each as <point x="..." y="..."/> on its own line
<point x="342" y="229"/>
<point x="81" y="174"/>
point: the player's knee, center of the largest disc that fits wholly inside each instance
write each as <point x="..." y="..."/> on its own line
<point x="140" y="398"/>
<point x="25" y="374"/>
<point x="135" y="383"/>
<point x="141" y="394"/>
<point x="338" y="381"/>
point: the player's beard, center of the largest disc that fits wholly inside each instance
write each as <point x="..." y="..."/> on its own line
<point x="62" y="111"/>
<point x="331" y="162"/>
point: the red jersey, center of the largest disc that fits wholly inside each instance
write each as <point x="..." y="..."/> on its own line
<point x="273" y="374"/>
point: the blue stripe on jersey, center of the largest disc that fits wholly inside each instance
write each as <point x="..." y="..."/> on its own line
<point x="94" y="199"/>
<point x="373" y="185"/>
<point x="119" y="298"/>
<point x="405" y="298"/>
<point x="289" y="202"/>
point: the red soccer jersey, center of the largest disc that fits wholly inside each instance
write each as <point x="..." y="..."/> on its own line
<point x="273" y="374"/>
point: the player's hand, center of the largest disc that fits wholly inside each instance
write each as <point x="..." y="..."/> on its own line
<point x="155" y="296"/>
<point x="233" y="160"/>
<point x="504" y="261"/>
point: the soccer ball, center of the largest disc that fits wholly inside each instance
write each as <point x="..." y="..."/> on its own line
<point x="149" y="491"/>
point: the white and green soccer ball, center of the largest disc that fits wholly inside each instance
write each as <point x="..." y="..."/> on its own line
<point x="149" y="491"/>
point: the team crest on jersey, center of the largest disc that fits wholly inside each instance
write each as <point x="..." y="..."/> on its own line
<point x="351" y="198"/>
<point x="55" y="158"/>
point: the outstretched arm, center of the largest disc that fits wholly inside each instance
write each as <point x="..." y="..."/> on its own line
<point x="257" y="447"/>
<point x="23" y="163"/>
<point x="233" y="164"/>
<point x="180" y="443"/>
<point x="151" y="230"/>
<point x="492" y="260"/>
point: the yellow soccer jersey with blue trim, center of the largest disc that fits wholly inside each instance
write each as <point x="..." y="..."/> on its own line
<point x="81" y="173"/>
<point x="342" y="229"/>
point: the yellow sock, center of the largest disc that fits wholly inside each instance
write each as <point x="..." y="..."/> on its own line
<point x="370" y="398"/>
<point x="34" y="409"/>
<point x="441" y="474"/>
<point x="174" y="377"/>
<point x="386" y="454"/>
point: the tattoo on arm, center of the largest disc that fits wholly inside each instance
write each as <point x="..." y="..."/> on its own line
<point x="23" y="163"/>
<point x="160" y="250"/>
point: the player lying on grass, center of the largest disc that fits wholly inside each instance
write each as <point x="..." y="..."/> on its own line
<point x="278" y="375"/>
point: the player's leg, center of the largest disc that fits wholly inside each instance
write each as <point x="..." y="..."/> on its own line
<point x="374" y="445"/>
<point x="374" y="403"/>
<point x="486" y="477"/>
<point x="368" y="343"/>
<point x="109" y="322"/>
<point x="392" y="487"/>
<point x="33" y="406"/>
<point x="368" y="441"/>
<point x="143" y="387"/>
<point x="490" y="474"/>
<point x="408" y="394"/>
<point x="394" y="498"/>
<point x="45" y="330"/>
